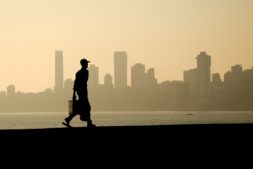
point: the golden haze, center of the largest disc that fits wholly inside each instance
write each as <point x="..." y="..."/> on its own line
<point x="164" y="34"/>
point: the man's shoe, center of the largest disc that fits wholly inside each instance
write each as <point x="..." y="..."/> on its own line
<point x="91" y="125"/>
<point x="67" y="125"/>
<point x="66" y="120"/>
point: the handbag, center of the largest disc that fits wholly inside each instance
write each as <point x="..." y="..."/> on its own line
<point x="73" y="105"/>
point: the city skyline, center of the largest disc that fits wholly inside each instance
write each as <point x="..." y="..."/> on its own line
<point x="163" y="34"/>
<point x="199" y="78"/>
<point x="196" y="92"/>
<point x="139" y="75"/>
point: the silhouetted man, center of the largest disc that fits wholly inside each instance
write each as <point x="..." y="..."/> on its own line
<point x="80" y="87"/>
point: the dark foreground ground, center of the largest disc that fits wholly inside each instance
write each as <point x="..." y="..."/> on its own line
<point x="131" y="135"/>
<point x="128" y="145"/>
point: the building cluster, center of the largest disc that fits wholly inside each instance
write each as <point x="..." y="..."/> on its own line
<point x="199" y="87"/>
<point x="140" y="78"/>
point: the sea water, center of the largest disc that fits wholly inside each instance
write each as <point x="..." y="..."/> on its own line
<point x="29" y="120"/>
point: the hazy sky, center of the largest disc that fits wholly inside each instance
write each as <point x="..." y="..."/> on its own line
<point x="164" y="34"/>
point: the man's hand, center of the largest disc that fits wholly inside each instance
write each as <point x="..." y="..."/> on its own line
<point x="74" y="95"/>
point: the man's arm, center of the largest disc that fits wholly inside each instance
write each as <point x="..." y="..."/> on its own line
<point x="74" y="94"/>
<point x="74" y="88"/>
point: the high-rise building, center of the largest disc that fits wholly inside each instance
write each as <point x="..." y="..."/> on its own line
<point x="151" y="81"/>
<point x="11" y="91"/>
<point x="204" y="74"/>
<point x="228" y="77"/>
<point x="93" y="76"/>
<point x="216" y="85"/>
<point x="138" y="76"/>
<point x="216" y="78"/>
<point x="120" y="70"/>
<point x="191" y="79"/>
<point x="58" y="71"/>
<point x="108" y="81"/>
<point x="238" y="75"/>
<point x="236" y="69"/>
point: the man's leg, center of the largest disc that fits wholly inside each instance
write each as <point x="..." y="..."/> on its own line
<point x="70" y="117"/>
<point x="83" y="97"/>
<point x="89" y="121"/>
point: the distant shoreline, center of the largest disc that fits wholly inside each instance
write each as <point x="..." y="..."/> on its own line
<point x="133" y="110"/>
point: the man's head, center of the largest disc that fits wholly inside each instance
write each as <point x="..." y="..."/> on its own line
<point x="84" y="63"/>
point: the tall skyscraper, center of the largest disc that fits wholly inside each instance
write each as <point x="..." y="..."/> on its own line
<point x="93" y="76"/>
<point x="204" y="74"/>
<point x="58" y="71"/>
<point x="120" y="70"/>
<point x="138" y="76"/>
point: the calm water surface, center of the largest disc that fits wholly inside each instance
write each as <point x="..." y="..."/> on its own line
<point x="54" y="119"/>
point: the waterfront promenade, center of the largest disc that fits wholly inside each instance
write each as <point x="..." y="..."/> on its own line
<point x="132" y="134"/>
